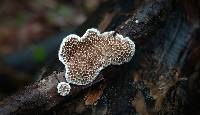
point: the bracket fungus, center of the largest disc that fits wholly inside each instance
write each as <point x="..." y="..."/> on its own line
<point x="84" y="57"/>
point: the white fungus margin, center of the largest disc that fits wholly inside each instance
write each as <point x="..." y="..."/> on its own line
<point x="84" y="57"/>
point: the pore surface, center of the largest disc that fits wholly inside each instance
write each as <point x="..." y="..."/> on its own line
<point x="85" y="57"/>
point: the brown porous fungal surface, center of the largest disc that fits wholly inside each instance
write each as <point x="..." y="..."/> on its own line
<point x="84" y="57"/>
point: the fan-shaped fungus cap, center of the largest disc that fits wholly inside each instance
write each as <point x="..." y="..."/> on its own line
<point x="84" y="57"/>
<point x="63" y="88"/>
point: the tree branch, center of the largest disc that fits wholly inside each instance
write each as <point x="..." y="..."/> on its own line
<point x="153" y="60"/>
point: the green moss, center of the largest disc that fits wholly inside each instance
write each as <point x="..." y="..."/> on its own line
<point x="39" y="54"/>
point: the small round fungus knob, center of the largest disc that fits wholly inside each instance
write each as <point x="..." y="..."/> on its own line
<point x="63" y="88"/>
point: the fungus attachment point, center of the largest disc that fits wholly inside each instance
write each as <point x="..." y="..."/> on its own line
<point x="84" y="57"/>
<point x="63" y="88"/>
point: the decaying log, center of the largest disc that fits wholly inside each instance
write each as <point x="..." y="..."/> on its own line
<point x="153" y="82"/>
<point x="42" y="94"/>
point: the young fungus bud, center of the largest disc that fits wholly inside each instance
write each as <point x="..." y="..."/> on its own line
<point x="63" y="88"/>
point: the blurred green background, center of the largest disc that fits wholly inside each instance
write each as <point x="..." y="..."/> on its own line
<point x="30" y="34"/>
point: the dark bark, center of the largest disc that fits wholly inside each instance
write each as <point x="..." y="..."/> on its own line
<point x="155" y="81"/>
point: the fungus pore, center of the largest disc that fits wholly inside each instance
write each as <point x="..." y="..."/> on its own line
<point x="84" y="57"/>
